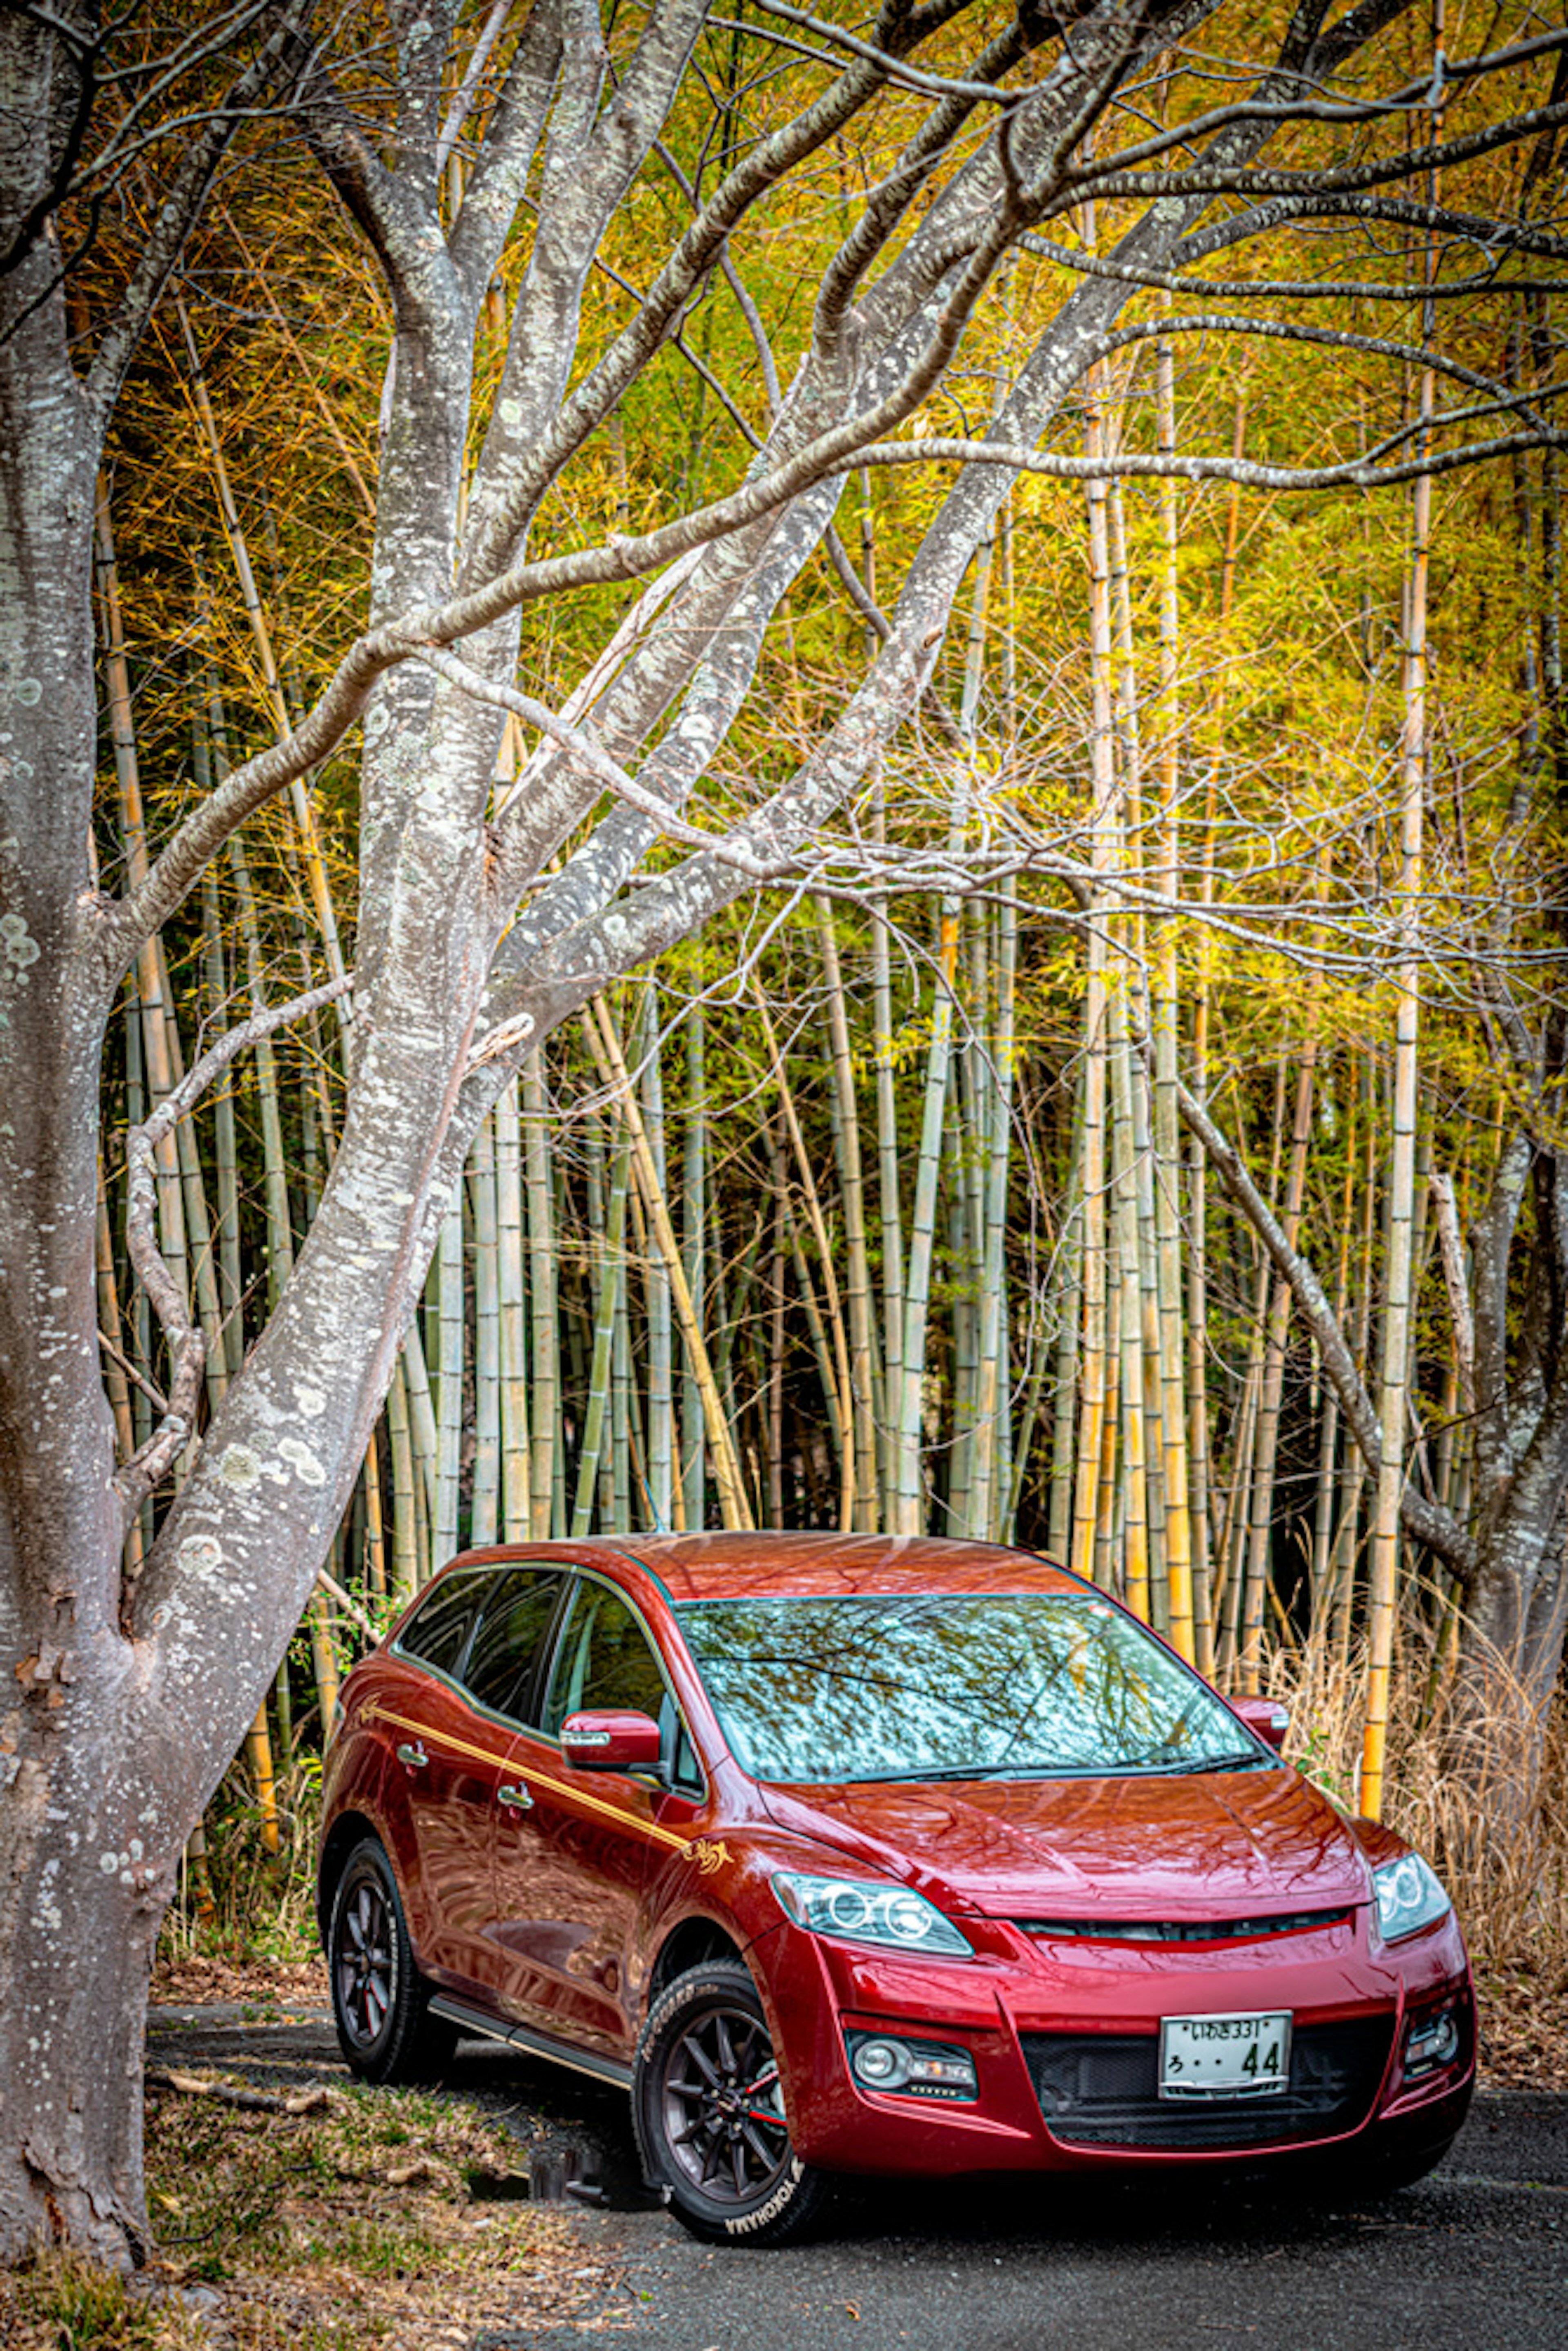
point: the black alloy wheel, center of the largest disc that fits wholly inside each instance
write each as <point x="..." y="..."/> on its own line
<point x="709" y="2114"/>
<point x="380" y="1999"/>
<point x="363" y="1965"/>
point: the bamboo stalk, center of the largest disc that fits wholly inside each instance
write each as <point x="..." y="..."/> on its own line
<point x="611" y="1262"/>
<point x="607" y="1056"/>
<point x="299" y="799"/>
<point x="857" y="1259"/>
<point x="484" y="1210"/>
<point x="1165" y="1024"/>
<point x="516" y="1450"/>
<point x="693" y="1260"/>
<point x="547" y="1462"/>
<point x="809" y="1195"/>
<point x="656" y="1288"/>
<point x="1095" y="1375"/>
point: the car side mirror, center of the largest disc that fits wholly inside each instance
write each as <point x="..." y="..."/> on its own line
<point x="609" y="1741"/>
<point x="1264" y="1716"/>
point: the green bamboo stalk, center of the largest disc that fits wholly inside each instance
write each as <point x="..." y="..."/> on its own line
<point x="656" y="1286"/>
<point x="544" y="1312"/>
<point x="817" y="1222"/>
<point x="604" y="1046"/>
<point x="512" y="1303"/>
<point x="1070" y="1258"/>
<point x="485" y="1215"/>
<point x="449" y="1376"/>
<point x="889" y="1190"/>
<point x="611" y="1265"/>
<point x="909" y="1500"/>
<point x="991" y="1480"/>
<point x="694" y="1261"/>
<point x="406" y="1570"/>
<point x="852" y="1191"/>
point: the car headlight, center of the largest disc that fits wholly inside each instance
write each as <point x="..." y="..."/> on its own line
<point x="862" y="1911"/>
<point x="1410" y="1894"/>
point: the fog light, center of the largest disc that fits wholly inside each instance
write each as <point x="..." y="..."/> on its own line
<point x="882" y="2064"/>
<point x="1431" y="2042"/>
<point x="912" y="2069"/>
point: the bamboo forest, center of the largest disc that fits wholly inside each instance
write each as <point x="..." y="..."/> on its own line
<point x="1134" y="1131"/>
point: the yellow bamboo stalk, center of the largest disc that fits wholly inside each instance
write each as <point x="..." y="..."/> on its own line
<point x="299" y="799"/>
<point x="1165" y="1024"/>
<point x="610" y="1064"/>
<point x="1398" y="1299"/>
<point x="1093" y="1369"/>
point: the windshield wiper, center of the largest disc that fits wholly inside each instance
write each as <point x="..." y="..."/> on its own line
<point x="972" y="1771"/>
<point x="1139" y="1767"/>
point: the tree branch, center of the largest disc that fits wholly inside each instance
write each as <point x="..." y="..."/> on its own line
<point x="1427" y="1521"/>
<point x="179" y="210"/>
<point x="187" y="1347"/>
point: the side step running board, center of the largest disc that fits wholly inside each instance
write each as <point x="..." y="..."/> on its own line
<point x="536" y="2044"/>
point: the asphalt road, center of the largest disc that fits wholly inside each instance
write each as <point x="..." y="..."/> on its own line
<point x="1473" y="2259"/>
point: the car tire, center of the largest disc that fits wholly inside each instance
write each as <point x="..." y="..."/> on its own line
<point x="709" y="2115"/>
<point x="381" y="2002"/>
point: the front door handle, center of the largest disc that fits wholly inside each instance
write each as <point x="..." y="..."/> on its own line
<point x="516" y="1796"/>
<point x="414" y="1757"/>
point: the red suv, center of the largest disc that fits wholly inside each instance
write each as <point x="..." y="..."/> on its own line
<point x="851" y="1854"/>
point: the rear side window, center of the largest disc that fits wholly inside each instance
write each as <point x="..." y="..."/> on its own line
<point x="516" y="1616"/>
<point x="438" y="1632"/>
<point x="603" y="1660"/>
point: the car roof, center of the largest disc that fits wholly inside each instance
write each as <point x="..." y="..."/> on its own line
<point x="718" y="1566"/>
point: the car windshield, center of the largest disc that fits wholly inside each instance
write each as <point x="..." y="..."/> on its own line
<point x="996" y="1685"/>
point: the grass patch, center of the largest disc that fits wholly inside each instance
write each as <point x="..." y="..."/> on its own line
<point x="335" y="2231"/>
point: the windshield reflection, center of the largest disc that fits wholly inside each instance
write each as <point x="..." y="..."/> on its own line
<point x="952" y="1687"/>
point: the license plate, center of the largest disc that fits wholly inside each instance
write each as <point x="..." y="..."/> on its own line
<point x="1225" y="2056"/>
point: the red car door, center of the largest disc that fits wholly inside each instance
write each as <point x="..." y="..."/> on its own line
<point x="474" y="1647"/>
<point x="569" y="1868"/>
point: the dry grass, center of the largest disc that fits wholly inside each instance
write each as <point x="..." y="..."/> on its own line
<point x="340" y="2230"/>
<point x="1503" y="1850"/>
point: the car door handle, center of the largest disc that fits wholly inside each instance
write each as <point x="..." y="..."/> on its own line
<point x="517" y="1795"/>
<point x="414" y="1757"/>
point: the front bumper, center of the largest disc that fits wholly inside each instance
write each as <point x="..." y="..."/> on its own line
<point x="1064" y="2037"/>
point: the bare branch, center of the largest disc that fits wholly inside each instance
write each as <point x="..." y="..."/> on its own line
<point x="187" y="1347"/>
<point x="1453" y="1252"/>
<point x="1427" y="1521"/>
<point x="177" y="213"/>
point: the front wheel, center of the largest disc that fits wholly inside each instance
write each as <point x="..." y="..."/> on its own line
<point x="381" y="2002"/>
<point x="709" y="2115"/>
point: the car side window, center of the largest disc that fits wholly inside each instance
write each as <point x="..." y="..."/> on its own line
<point x="602" y="1659"/>
<point x="438" y="1632"/>
<point x="519" y="1610"/>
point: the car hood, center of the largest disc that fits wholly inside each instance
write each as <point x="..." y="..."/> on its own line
<point x="1232" y="1845"/>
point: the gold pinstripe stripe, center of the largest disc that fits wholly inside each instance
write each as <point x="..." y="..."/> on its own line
<point x="671" y="1837"/>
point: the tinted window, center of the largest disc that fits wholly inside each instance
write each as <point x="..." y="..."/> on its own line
<point x="603" y="1659"/>
<point x="515" y="1617"/>
<point x="995" y="1685"/>
<point x="438" y="1633"/>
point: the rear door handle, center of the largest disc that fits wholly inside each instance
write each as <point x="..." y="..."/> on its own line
<point x="517" y="1795"/>
<point x="414" y="1757"/>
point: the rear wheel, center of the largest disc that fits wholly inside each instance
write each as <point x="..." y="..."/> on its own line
<point x="709" y="2115"/>
<point x="381" y="2002"/>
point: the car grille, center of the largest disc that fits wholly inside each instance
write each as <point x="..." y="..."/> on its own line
<point x="1180" y="1930"/>
<point x="1101" y="2089"/>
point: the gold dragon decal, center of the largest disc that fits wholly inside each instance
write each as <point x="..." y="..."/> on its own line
<point x="708" y="1858"/>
